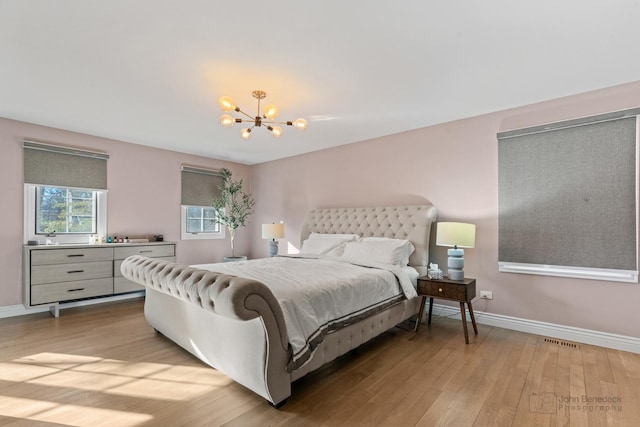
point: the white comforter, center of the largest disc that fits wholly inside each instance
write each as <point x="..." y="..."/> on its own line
<point x="318" y="293"/>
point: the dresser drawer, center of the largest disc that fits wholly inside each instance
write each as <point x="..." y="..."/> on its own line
<point x="70" y="272"/>
<point x="152" y="251"/>
<point x="453" y="291"/>
<point x="68" y="256"/>
<point x="122" y="285"/>
<point x="118" y="263"/>
<point x="65" y="291"/>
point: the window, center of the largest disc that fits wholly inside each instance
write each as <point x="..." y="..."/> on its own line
<point x="567" y="198"/>
<point x="198" y="219"/>
<point x="64" y="215"/>
<point x="199" y="222"/>
<point x="65" y="193"/>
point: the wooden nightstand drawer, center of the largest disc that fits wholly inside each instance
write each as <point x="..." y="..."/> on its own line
<point x="454" y="290"/>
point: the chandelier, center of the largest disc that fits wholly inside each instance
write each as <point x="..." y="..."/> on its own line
<point x="267" y="119"/>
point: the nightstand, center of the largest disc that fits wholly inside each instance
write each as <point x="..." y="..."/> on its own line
<point x="462" y="291"/>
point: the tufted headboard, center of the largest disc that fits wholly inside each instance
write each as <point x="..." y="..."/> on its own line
<point x="400" y="222"/>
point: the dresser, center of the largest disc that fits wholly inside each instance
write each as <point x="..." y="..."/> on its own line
<point x="55" y="274"/>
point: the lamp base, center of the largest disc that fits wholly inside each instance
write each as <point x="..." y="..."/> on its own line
<point x="454" y="274"/>
<point x="273" y="248"/>
<point x="455" y="264"/>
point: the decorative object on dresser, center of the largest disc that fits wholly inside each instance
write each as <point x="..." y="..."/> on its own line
<point x="56" y="274"/>
<point x="273" y="232"/>
<point x="462" y="291"/>
<point x="233" y="207"/>
<point x="264" y="335"/>
<point x="457" y="235"/>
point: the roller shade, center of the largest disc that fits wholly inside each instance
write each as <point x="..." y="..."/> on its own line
<point x="567" y="193"/>
<point x="199" y="186"/>
<point x="59" y="166"/>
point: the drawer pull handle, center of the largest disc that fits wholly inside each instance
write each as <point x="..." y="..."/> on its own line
<point x="75" y="290"/>
<point x="75" y="255"/>
<point x="439" y="289"/>
<point x="75" y="271"/>
<point x="145" y="252"/>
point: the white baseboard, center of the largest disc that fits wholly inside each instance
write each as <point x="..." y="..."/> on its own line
<point x="584" y="336"/>
<point x="21" y="310"/>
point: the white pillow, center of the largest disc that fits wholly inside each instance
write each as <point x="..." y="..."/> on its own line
<point x="340" y="237"/>
<point x="333" y="247"/>
<point x="404" y="246"/>
<point x="380" y="249"/>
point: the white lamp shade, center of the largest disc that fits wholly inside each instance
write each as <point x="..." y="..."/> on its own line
<point x="454" y="234"/>
<point x="273" y="231"/>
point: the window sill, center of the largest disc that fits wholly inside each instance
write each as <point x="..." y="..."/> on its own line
<point x="628" y="276"/>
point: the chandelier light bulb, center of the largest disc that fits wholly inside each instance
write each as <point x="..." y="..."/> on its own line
<point x="276" y="131"/>
<point x="300" y="124"/>
<point x="226" y="103"/>
<point x="245" y="134"/>
<point x="227" y="121"/>
<point x="271" y="112"/>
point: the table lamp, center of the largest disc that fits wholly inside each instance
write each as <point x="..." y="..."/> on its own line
<point x="457" y="235"/>
<point x="273" y="232"/>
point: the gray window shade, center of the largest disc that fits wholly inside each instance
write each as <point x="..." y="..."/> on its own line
<point x="53" y="165"/>
<point x="199" y="186"/>
<point x="567" y="193"/>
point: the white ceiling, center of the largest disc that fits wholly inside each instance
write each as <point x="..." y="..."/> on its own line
<point x="151" y="71"/>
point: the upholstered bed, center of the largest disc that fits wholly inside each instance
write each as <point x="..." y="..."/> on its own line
<point x="242" y="327"/>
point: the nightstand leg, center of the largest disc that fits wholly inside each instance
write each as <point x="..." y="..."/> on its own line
<point x="464" y="323"/>
<point x="473" y="318"/>
<point x="420" y="313"/>
<point x="430" y="309"/>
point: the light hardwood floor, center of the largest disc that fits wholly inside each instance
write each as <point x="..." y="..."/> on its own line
<point x="103" y="365"/>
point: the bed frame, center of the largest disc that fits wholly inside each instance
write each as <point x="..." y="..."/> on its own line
<point x="236" y="325"/>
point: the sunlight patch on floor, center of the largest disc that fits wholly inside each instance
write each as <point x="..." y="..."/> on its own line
<point x="18" y="372"/>
<point x="144" y="380"/>
<point x="71" y="415"/>
<point x="51" y="380"/>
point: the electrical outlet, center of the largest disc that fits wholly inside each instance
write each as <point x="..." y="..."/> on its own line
<point x="486" y="294"/>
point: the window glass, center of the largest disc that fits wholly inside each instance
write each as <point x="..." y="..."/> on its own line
<point x="202" y="220"/>
<point x="66" y="211"/>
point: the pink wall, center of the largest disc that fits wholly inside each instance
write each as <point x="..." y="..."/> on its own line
<point x="144" y="197"/>
<point x="455" y="167"/>
<point x="452" y="165"/>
